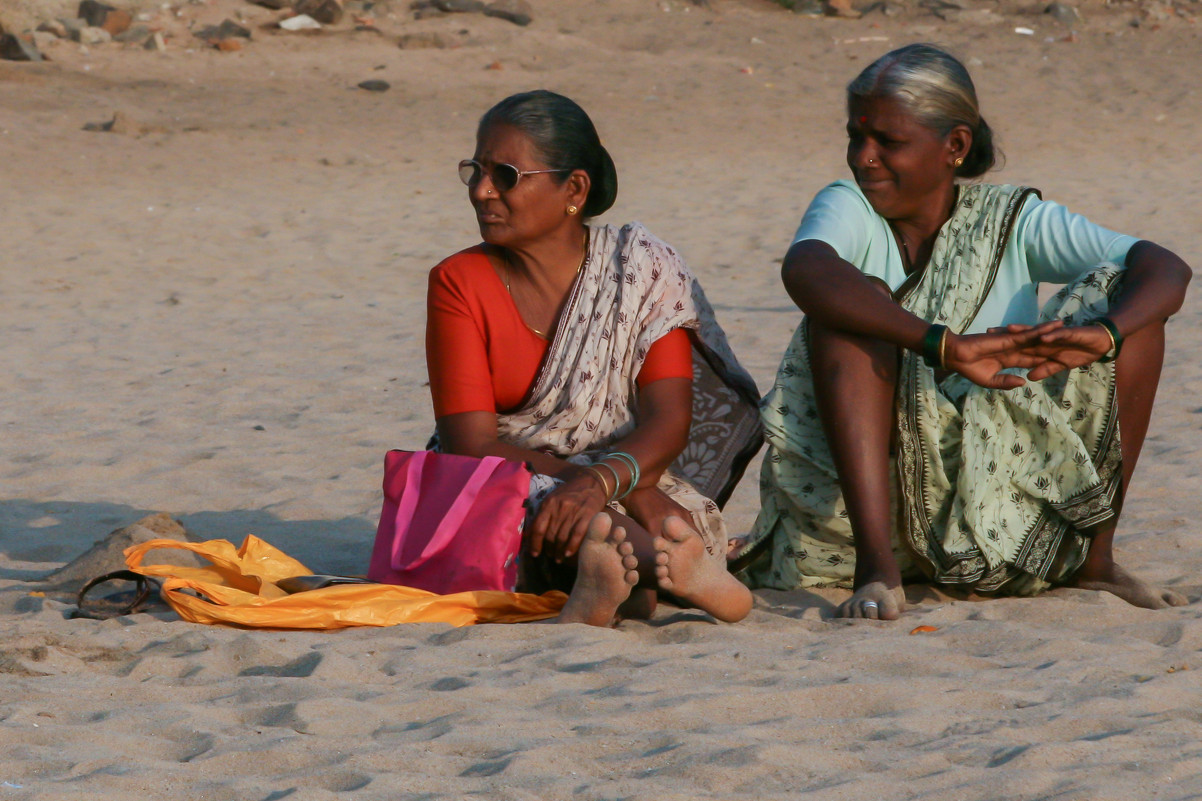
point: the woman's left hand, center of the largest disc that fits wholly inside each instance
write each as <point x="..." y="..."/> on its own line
<point x="981" y="357"/>
<point x="562" y="520"/>
<point x="1067" y="348"/>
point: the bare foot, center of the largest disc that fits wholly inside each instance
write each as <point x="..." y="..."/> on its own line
<point x="874" y="601"/>
<point x="683" y="568"/>
<point x="605" y="572"/>
<point x="1136" y="592"/>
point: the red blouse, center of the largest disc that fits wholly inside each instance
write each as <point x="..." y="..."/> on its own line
<point x="481" y="355"/>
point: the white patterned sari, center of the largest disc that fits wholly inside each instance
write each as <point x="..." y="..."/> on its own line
<point x="632" y="290"/>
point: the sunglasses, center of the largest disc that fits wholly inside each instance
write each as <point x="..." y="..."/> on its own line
<point x="503" y="176"/>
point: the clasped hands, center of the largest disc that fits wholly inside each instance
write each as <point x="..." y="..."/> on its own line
<point x="1044" y="350"/>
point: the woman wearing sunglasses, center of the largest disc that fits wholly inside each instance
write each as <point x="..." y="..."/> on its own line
<point x="591" y="353"/>
<point x="899" y="449"/>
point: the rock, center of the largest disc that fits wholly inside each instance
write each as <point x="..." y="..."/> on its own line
<point x="122" y="123"/>
<point x="459" y="6"/>
<point x="841" y="8"/>
<point x="301" y="22"/>
<point x="43" y="40"/>
<point x="1063" y="13"/>
<point x="138" y="34"/>
<point x="101" y="15"/>
<point x="72" y="26"/>
<point x="107" y="554"/>
<point x="519" y="12"/>
<point x="228" y="45"/>
<point x="275" y="5"/>
<point x="92" y="36"/>
<point x="93" y="12"/>
<point x="424" y="40"/>
<point x="228" y="29"/>
<point x="155" y="42"/>
<point x="55" y="27"/>
<point x="16" y="48"/>
<point x="375" y="86"/>
<point x="327" y="12"/>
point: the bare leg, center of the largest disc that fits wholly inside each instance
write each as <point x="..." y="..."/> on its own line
<point x="1137" y="374"/>
<point x="606" y="570"/>
<point x="685" y="569"/>
<point x="854" y="381"/>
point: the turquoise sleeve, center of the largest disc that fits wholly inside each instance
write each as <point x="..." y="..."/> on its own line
<point x="840" y="217"/>
<point x="1061" y="246"/>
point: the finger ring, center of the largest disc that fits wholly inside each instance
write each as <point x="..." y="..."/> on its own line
<point x="871" y="604"/>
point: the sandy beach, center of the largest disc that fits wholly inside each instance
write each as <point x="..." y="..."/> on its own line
<point x="216" y="310"/>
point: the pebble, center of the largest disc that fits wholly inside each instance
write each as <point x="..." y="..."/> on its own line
<point x="301" y="22"/>
<point x="55" y="27"/>
<point x="228" y="29"/>
<point x="375" y="86"/>
<point x="519" y="12"/>
<point x="14" y="48"/>
<point x="1063" y="13"/>
<point x="327" y="12"/>
<point x="459" y="6"/>
<point x="90" y="35"/>
<point x="423" y="40"/>
<point x="155" y="42"/>
<point x="136" y="34"/>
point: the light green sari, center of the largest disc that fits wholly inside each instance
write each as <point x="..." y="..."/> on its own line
<point x="994" y="490"/>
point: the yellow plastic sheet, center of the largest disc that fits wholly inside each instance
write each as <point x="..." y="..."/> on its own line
<point x="239" y="589"/>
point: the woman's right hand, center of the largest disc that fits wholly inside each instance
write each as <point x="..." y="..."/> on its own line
<point x="562" y="520"/>
<point x="981" y="357"/>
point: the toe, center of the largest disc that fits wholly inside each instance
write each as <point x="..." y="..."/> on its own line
<point x="677" y="530"/>
<point x="660" y="544"/>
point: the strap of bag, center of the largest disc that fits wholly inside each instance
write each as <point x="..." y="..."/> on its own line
<point x="449" y="525"/>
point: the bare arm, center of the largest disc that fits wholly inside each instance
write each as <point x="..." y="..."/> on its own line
<point x="834" y="294"/>
<point x="1153" y="290"/>
<point x="664" y="417"/>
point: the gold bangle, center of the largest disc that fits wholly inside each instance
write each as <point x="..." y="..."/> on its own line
<point x="943" y="350"/>
<point x="1113" y="344"/>
<point x="617" y="478"/>
<point x="600" y="477"/>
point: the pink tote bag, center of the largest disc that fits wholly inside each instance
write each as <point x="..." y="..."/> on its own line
<point x="450" y="523"/>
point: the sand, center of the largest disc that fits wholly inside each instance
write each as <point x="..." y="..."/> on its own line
<point x="219" y="314"/>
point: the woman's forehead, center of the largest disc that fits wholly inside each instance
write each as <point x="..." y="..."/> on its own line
<point x="505" y="144"/>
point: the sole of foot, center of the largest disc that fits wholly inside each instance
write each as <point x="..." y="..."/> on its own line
<point x="685" y="569"/>
<point x="606" y="570"/>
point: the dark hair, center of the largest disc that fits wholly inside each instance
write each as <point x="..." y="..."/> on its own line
<point x="936" y="88"/>
<point x="564" y="137"/>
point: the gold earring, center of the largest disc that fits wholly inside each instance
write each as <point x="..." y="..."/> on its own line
<point x="959" y="161"/>
<point x="572" y="209"/>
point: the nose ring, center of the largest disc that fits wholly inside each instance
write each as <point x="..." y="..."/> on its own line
<point x="869" y="161"/>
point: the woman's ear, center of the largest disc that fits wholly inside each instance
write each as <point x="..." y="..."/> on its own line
<point x="578" y="185"/>
<point x="959" y="142"/>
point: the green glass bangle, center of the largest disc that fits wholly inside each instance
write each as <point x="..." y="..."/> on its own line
<point x="931" y="342"/>
<point x="635" y="474"/>
<point x="1115" y="337"/>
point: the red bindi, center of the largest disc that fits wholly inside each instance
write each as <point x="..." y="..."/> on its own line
<point x="863" y="120"/>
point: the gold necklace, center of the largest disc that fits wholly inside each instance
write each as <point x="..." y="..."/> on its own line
<point x="505" y="260"/>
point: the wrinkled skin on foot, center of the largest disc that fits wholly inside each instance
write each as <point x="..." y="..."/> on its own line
<point x="1134" y="591"/>
<point x="890" y="603"/>
<point x="685" y="569"/>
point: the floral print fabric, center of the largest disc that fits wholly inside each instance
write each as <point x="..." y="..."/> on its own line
<point x="994" y="489"/>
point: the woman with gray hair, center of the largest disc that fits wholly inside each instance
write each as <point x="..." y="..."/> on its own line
<point x="903" y="446"/>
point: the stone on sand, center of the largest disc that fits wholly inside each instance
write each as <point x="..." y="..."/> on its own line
<point x="519" y="12"/>
<point x="102" y="15"/>
<point x="108" y="554"/>
<point x="327" y="12"/>
<point x="16" y="48"/>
